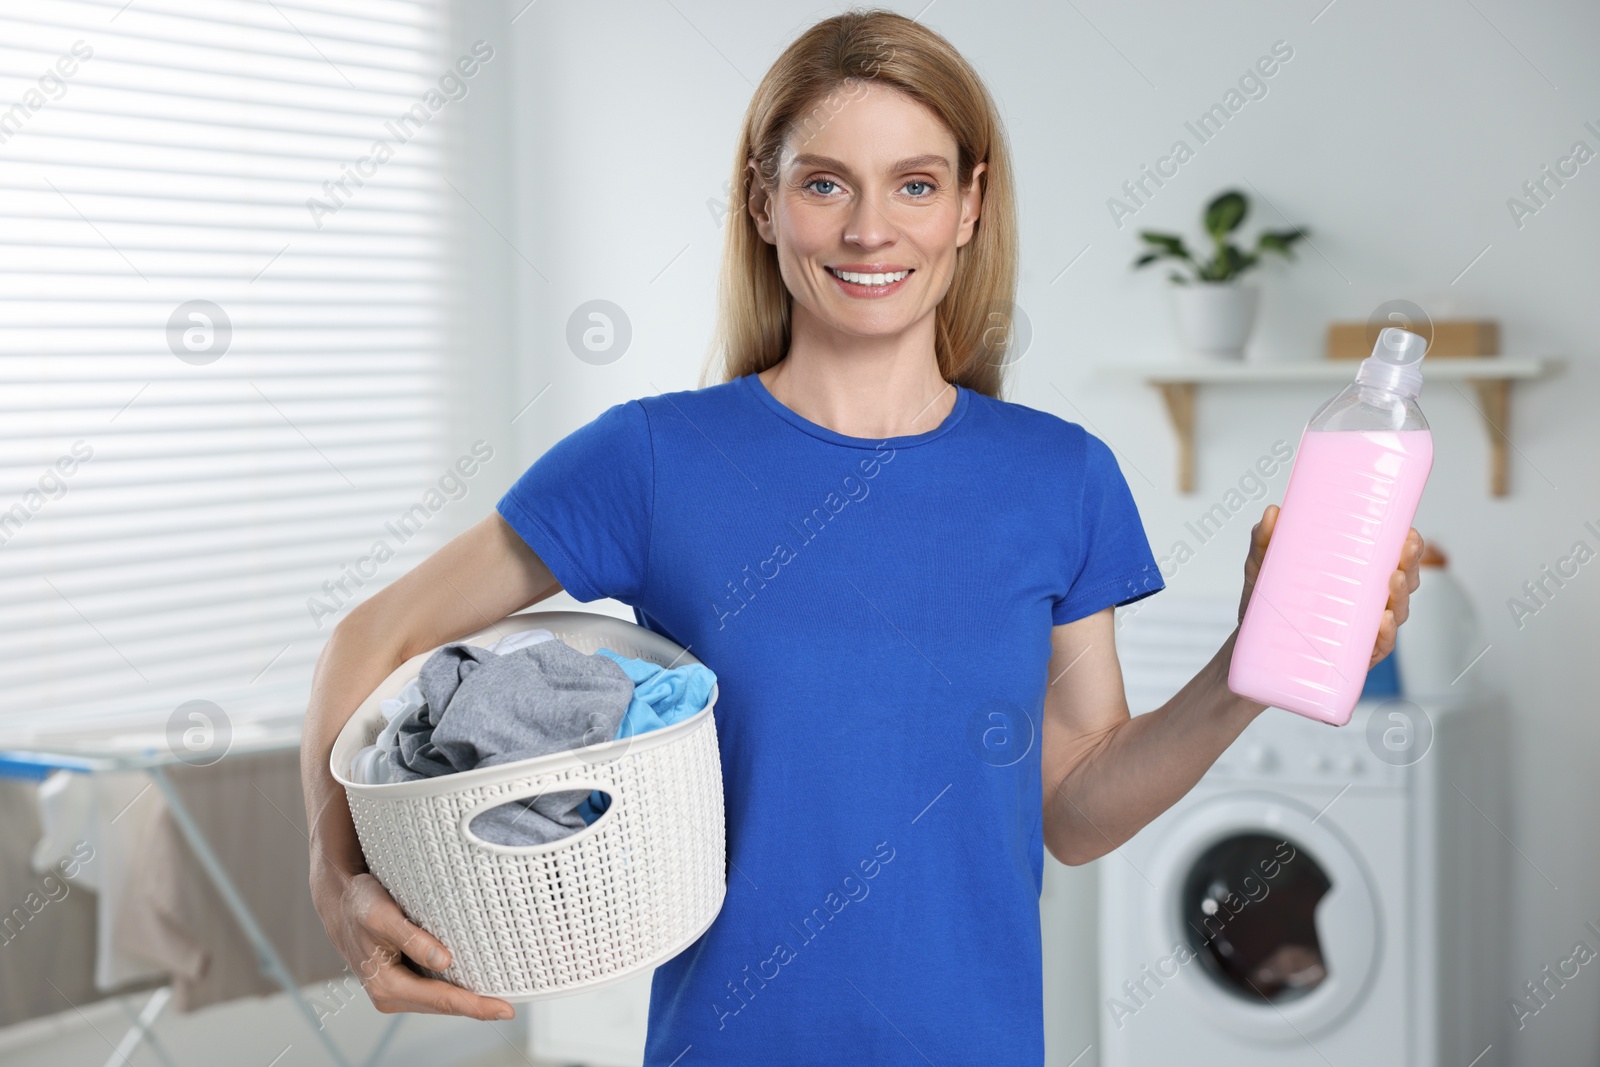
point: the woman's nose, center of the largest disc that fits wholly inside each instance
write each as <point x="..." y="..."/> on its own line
<point x="868" y="226"/>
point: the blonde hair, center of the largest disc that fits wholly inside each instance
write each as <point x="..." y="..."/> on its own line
<point x="877" y="46"/>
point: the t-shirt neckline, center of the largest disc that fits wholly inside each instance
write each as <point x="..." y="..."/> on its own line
<point x="755" y="385"/>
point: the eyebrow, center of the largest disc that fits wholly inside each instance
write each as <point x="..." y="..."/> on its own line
<point x="923" y="162"/>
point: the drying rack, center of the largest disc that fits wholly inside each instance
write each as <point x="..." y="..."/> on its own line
<point x="83" y="753"/>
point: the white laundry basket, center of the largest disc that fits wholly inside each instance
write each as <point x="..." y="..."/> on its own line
<point x="617" y="897"/>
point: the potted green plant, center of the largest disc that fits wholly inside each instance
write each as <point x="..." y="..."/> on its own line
<point x="1216" y="313"/>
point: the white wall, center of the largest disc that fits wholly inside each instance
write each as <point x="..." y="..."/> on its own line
<point x="1396" y="132"/>
<point x="483" y="334"/>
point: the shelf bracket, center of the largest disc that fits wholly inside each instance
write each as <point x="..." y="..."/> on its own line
<point x="1180" y="410"/>
<point x="1490" y="376"/>
<point x="1494" y="396"/>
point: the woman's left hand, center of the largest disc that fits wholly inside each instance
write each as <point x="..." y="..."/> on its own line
<point x="1402" y="582"/>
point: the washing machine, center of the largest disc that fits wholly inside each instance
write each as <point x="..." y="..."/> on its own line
<point x="1324" y="895"/>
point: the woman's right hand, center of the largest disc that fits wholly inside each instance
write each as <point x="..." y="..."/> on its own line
<point x="373" y="934"/>
<point x="474" y="580"/>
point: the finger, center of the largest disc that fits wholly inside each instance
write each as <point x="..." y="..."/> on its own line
<point x="372" y="963"/>
<point x="1399" y="596"/>
<point x="1268" y="523"/>
<point x="387" y="924"/>
<point x="383" y="923"/>
<point x="1385" y="642"/>
<point x="398" y="989"/>
<point x="1260" y="533"/>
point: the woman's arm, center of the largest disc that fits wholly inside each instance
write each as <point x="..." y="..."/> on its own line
<point x="1107" y="774"/>
<point x="477" y="579"/>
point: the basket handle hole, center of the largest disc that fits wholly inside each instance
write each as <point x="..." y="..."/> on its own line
<point x="540" y="818"/>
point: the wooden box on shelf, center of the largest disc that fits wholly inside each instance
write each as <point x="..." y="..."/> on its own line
<point x="1451" y="337"/>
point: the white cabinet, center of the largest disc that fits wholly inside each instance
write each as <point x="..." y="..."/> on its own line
<point x="604" y="1028"/>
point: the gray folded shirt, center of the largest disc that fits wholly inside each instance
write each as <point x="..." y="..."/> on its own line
<point x="483" y="708"/>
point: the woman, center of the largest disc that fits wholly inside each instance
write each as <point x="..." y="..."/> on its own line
<point x="904" y="584"/>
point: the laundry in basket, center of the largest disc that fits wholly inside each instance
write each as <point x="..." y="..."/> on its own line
<point x="603" y="902"/>
<point x="479" y="707"/>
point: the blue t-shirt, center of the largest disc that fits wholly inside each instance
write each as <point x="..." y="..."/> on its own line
<point x="878" y="615"/>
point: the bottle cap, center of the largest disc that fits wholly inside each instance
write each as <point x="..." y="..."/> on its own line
<point x="1395" y="363"/>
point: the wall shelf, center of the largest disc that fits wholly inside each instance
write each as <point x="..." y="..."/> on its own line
<point x="1179" y="382"/>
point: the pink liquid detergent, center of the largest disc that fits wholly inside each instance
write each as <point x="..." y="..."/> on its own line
<point x="1312" y="620"/>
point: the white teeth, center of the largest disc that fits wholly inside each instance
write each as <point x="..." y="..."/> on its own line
<point x="869" y="279"/>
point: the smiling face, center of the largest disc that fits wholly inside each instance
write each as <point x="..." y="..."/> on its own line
<point x="866" y="216"/>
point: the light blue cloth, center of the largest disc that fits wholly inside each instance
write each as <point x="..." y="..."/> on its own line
<point x="661" y="697"/>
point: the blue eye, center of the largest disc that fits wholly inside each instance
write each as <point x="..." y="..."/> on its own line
<point x="931" y="188"/>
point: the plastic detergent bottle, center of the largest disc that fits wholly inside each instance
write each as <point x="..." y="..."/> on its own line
<point x="1313" y="616"/>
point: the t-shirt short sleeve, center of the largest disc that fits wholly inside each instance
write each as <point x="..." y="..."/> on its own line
<point x="585" y="506"/>
<point x="1117" y="565"/>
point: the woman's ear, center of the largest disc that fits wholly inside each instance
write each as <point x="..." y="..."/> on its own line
<point x="760" y="204"/>
<point x="971" y="205"/>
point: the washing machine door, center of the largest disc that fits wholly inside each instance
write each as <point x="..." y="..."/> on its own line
<point x="1275" y="910"/>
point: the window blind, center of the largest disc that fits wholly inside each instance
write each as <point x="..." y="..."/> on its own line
<point x="223" y="323"/>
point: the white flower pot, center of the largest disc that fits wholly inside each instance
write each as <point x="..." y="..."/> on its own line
<point x="1215" y="319"/>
